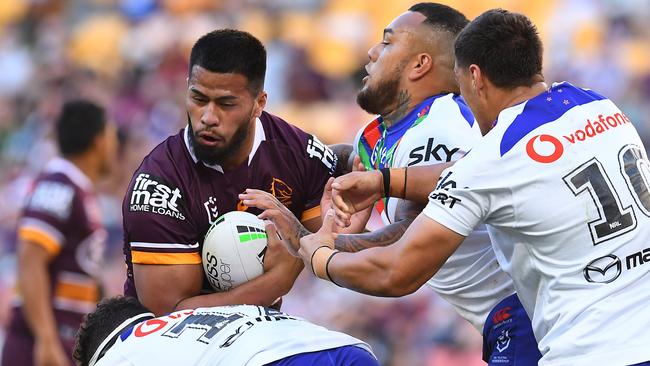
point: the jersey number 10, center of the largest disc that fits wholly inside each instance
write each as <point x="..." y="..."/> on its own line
<point x="614" y="220"/>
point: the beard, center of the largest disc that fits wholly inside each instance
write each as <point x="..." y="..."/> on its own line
<point x="212" y="155"/>
<point x="377" y="99"/>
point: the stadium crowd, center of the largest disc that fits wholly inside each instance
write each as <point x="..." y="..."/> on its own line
<point x="130" y="55"/>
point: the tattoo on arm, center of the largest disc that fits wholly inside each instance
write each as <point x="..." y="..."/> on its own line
<point x="406" y="212"/>
<point x="345" y="156"/>
<point x="378" y="238"/>
<point x="302" y="231"/>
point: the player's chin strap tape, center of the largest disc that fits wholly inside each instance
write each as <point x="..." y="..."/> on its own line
<point x="111" y="338"/>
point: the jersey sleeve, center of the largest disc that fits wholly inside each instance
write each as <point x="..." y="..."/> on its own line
<point x="468" y="194"/>
<point x="320" y="162"/>
<point x="157" y="225"/>
<point x="46" y="215"/>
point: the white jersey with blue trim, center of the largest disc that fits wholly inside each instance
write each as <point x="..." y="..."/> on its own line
<point x="224" y="335"/>
<point x="471" y="279"/>
<point x="563" y="182"/>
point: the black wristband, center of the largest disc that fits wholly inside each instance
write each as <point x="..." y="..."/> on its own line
<point x="406" y="175"/>
<point x="327" y="267"/>
<point x="311" y="259"/>
<point x="385" y="174"/>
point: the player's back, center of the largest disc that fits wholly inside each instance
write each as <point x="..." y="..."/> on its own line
<point x="568" y="198"/>
<point x="62" y="216"/>
<point x="227" y="335"/>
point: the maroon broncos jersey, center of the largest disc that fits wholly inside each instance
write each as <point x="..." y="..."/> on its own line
<point x="62" y="216"/>
<point x="173" y="198"/>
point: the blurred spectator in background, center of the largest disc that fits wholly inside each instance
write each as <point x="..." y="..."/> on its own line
<point x="61" y="241"/>
<point x="130" y="56"/>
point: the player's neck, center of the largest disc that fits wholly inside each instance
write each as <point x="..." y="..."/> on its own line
<point x="88" y="165"/>
<point x="403" y="106"/>
<point x="507" y="99"/>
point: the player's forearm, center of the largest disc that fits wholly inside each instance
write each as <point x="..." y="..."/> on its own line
<point x="417" y="182"/>
<point x="263" y="290"/>
<point x="395" y="270"/>
<point x="371" y="272"/>
<point x="379" y="238"/>
<point x="34" y="285"/>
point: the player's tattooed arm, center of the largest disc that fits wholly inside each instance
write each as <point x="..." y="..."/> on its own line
<point x="345" y="156"/>
<point x="406" y="212"/>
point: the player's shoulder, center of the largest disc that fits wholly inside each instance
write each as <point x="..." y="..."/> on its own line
<point x="451" y="107"/>
<point x="562" y="101"/>
<point x="56" y="188"/>
<point x="171" y="151"/>
<point x="169" y="163"/>
<point x="448" y="119"/>
<point x="301" y="144"/>
<point x="281" y="131"/>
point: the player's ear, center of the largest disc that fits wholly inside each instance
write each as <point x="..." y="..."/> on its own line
<point x="100" y="142"/>
<point x="423" y="64"/>
<point x="260" y="103"/>
<point x="476" y="79"/>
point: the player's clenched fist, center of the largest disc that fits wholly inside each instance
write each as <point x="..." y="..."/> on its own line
<point x="355" y="192"/>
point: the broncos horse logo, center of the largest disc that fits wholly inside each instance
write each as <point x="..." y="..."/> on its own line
<point x="281" y="191"/>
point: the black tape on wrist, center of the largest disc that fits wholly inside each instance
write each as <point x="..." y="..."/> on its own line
<point x="311" y="259"/>
<point x="327" y="267"/>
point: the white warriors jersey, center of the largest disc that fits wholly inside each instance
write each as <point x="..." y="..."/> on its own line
<point x="563" y="182"/>
<point x="225" y="335"/>
<point x="443" y="130"/>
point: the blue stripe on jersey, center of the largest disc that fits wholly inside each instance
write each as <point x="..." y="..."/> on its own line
<point x="464" y="109"/>
<point x="545" y="108"/>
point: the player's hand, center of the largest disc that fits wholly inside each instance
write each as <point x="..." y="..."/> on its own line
<point x="277" y="250"/>
<point x="278" y="260"/>
<point x="50" y="352"/>
<point x="358" y="220"/>
<point x="324" y="236"/>
<point x="290" y="228"/>
<point x="354" y="192"/>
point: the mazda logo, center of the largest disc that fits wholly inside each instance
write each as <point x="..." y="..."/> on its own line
<point x="603" y="270"/>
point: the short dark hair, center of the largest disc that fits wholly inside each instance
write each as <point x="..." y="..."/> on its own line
<point x="99" y="324"/>
<point x="78" y="124"/>
<point x="231" y="51"/>
<point x="441" y="17"/>
<point x="505" y="45"/>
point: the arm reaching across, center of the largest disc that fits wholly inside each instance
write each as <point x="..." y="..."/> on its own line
<point x="405" y="213"/>
<point x="422" y="250"/>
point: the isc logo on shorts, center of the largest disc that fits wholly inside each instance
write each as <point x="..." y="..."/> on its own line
<point x="149" y="195"/>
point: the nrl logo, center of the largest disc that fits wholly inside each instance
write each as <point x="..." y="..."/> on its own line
<point x="503" y="341"/>
<point x="281" y="191"/>
<point x="211" y="209"/>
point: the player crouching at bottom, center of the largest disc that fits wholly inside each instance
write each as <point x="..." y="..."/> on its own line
<point x="122" y="331"/>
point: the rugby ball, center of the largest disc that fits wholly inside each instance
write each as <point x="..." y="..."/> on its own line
<point x="233" y="250"/>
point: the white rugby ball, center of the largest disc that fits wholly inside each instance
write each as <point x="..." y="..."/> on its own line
<point x="233" y="250"/>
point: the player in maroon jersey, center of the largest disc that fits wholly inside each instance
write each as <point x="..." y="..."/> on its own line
<point x="230" y="144"/>
<point x="60" y="242"/>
